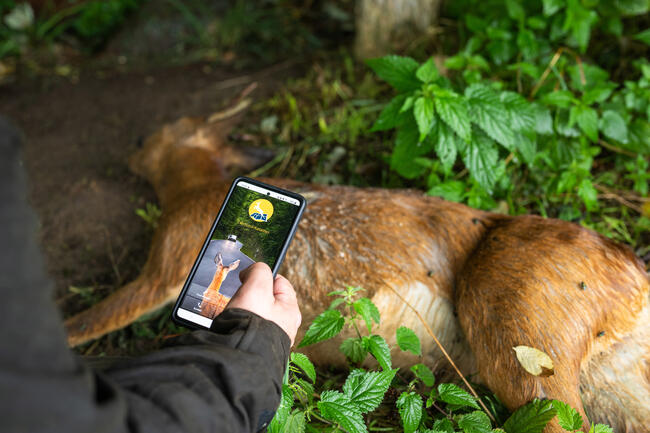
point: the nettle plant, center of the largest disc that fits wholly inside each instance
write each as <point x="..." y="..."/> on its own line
<point x="525" y="117"/>
<point x="308" y="404"/>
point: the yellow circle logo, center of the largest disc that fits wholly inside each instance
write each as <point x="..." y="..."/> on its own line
<point x="260" y="210"/>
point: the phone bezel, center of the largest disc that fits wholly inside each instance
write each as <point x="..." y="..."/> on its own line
<point x="294" y="225"/>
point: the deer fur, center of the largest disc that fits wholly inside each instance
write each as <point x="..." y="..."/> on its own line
<point x="214" y="302"/>
<point x="483" y="282"/>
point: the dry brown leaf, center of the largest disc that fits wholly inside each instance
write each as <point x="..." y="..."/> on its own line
<point x="534" y="361"/>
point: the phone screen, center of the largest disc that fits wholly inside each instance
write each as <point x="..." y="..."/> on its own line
<point x="254" y="226"/>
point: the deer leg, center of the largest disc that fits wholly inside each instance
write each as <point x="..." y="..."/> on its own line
<point x="118" y="310"/>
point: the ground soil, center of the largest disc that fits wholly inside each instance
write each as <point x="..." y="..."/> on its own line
<point x="78" y="136"/>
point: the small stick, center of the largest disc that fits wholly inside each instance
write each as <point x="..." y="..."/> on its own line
<point x="547" y="71"/>
<point x="444" y="352"/>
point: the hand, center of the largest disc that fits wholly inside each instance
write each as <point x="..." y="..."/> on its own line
<point x="273" y="300"/>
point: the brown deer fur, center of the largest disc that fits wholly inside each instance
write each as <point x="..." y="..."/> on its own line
<point x="483" y="282"/>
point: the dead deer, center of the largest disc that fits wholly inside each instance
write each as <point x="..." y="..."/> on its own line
<point x="483" y="282"/>
<point x="214" y="302"/>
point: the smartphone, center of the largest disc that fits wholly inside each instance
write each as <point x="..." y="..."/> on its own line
<point x="256" y="223"/>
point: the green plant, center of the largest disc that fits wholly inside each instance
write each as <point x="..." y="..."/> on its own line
<point x="520" y="120"/>
<point x="308" y="404"/>
<point x="150" y="214"/>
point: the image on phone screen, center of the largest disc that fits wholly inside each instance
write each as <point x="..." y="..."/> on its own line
<point x="253" y="227"/>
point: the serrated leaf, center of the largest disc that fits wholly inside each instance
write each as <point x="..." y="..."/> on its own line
<point x="531" y="418"/>
<point x="452" y="109"/>
<point x="534" y="361"/>
<point x="599" y="94"/>
<point x="390" y="116"/>
<point x="587" y="119"/>
<point x="397" y="71"/>
<point x="354" y="350"/>
<point x="543" y="120"/>
<point x="326" y="325"/>
<point x="600" y="428"/>
<point x="295" y="423"/>
<point x="304" y="364"/>
<point x="338" y="408"/>
<point x="488" y="112"/>
<point x="521" y="113"/>
<point x="424" y="115"/>
<point x="305" y="389"/>
<point x="452" y="190"/>
<point x="282" y="413"/>
<point x="408" y="341"/>
<point x="446" y="145"/>
<point x="527" y="145"/>
<point x="409" y="405"/>
<point x="588" y="194"/>
<point x="613" y="126"/>
<point x="481" y="158"/>
<point x="643" y="36"/>
<point x="475" y="422"/>
<point x="367" y="310"/>
<point x="366" y="390"/>
<point x="428" y="71"/>
<point x="424" y="373"/>
<point x="568" y="418"/>
<point x="406" y="149"/>
<point x="452" y="394"/>
<point x="443" y="425"/>
<point x="558" y="98"/>
<point x="335" y="303"/>
<point x="378" y="348"/>
<point x="552" y="6"/>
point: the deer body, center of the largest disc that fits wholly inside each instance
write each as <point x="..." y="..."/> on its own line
<point x="214" y="302"/>
<point x="483" y="282"/>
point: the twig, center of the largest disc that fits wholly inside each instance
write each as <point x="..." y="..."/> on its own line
<point x="444" y="352"/>
<point x="626" y="194"/>
<point x="613" y="148"/>
<point x="547" y="71"/>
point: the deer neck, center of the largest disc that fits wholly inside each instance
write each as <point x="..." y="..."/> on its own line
<point x="187" y="171"/>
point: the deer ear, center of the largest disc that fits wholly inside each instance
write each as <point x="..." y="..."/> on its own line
<point x="218" y="260"/>
<point x="234" y="265"/>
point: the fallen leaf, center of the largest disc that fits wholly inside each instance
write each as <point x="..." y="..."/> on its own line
<point x="534" y="361"/>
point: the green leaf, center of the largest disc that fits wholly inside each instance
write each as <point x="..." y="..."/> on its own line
<point x="354" y="350"/>
<point x="558" y="98"/>
<point x="521" y="114"/>
<point x="613" y="126"/>
<point x="295" y="423"/>
<point x="552" y="6"/>
<point x="397" y="71"/>
<point x="598" y="94"/>
<point x="481" y="158"/>
<point x="600" y="428"/>
<point x="428" y="71"/>
<point x="543" y="120"/>
<point x="305" y="365"/>
<point x="644" y="36"/>
<point x="408" y="341"/>
<point x="409" y="405"/>
<point x="531" y="418"/>
<point x="452" y="109"/>
<point x="452" y="394"/>
<point x="568" y="418"/>
<point x="390" y="116"/>
<point x="286" y="402"/>
<point x="327" y="325"/>
<point x="488" y="112"/>
<point x="527" y="146"/>
<point x="446" y="145"/>
<point x="579" y="21"/>
<point x="338" y="408"/>
<point x="367" y="310"/>
<point x="588" y="194"/>
<point x="639" y="136"/>
<point x="475" y="422"/>
<point x="587" y="119"/>
<point x="407" y="148"/>
<point x="443" y="425"/>
<point x="452" y="190"/>
<point x="378" y="348"/>
<point x="366" y="390"/>
<point x="632" y="7"/>
<point x="424" y="115"/>
<point x="424" y="373"/>
<point x="515" y="10"/>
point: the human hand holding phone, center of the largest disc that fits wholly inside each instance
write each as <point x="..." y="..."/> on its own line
<point x="274" y="300"/>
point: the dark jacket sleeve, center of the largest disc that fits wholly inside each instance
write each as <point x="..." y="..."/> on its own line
<point x="228" y="380"/>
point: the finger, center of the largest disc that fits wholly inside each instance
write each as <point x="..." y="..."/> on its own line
<point x="255" y="270"/>
<point x="283" y="291"/>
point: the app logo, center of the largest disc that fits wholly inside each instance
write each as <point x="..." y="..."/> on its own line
<point x="260" y="210"/>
